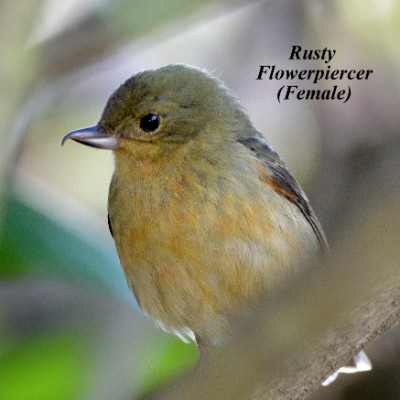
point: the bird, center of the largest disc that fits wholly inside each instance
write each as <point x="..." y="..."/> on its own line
<point x="205" y="215"/>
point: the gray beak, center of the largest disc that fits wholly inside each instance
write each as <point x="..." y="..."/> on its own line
<point x="93" y="137"/>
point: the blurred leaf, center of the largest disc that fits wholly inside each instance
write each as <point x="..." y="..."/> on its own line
<point x="33" y="243"/>
<point x="167" y="359"/>
<point x="141" y="18"/>
<point x="50" y="366"/>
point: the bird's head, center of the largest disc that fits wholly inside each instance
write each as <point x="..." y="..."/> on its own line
<point x="160" y="109"/>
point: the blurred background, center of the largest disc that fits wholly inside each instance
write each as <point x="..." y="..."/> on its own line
<point x="69" y="327"/>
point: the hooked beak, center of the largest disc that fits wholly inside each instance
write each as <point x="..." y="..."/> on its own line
<point x="93" y="137"/>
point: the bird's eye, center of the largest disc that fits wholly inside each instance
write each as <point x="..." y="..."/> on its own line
<point x="150" y="122"/>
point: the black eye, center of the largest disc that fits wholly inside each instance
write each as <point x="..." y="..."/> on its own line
<point x="150" y="122"/>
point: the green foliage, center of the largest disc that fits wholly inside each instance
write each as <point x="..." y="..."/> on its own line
<point x="33" y="243"/>
<point x="164" y="361"/>
<point x="47" y="367"/>
<point x="142" y="18"/>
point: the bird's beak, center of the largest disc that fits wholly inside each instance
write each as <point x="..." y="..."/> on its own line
<point x="93" y="137"/>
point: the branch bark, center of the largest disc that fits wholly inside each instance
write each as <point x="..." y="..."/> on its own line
<point x="300" y="337"/>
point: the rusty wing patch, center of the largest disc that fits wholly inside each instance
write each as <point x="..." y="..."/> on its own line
<point x="274" y="171"/>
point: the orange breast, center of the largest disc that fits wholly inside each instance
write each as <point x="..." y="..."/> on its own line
<point x="196" y="253"/>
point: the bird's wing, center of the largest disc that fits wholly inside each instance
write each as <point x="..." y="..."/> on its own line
<point x="277" y="174"/>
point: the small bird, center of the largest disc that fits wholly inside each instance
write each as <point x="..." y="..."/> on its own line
<point x="205" y="215"/>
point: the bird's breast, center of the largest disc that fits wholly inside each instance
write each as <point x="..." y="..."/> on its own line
<point x="196" y="245"/>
